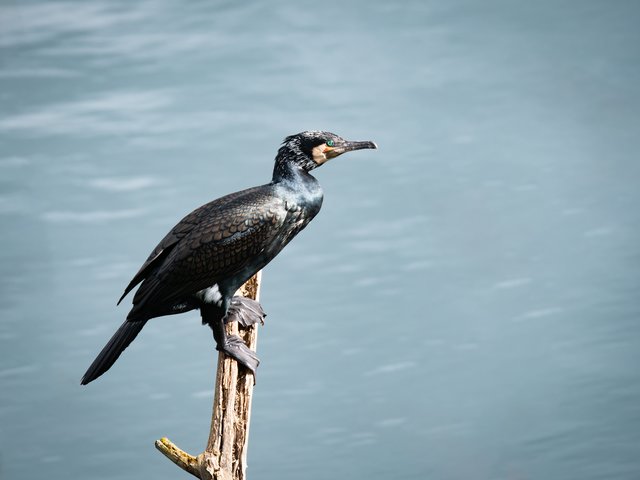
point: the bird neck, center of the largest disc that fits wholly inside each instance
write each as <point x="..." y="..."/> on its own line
<point x="300" y="186"/>
<point x="297" y="186"/>
<point x="287" y="170"/>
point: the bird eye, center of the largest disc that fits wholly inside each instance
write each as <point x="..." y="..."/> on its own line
<point x="330" y="143"/>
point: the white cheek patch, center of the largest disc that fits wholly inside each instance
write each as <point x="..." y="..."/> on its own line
<point x="318" y="154"/>
<point x="211" y="295"/>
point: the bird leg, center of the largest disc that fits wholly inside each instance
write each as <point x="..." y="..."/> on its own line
<point x="232" y="345"/>
<point x="245" y="311"/>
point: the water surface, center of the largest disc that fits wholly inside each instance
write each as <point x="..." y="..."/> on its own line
<point x="465" y="305"/>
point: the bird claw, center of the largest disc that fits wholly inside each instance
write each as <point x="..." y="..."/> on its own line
<point x="235" y="348"/>
<point x="245" y="311"/>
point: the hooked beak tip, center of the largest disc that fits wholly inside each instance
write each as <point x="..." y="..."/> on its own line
<point x="361" y="145"/>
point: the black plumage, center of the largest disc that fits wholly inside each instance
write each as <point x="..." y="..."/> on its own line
<point x="212" y="251"/>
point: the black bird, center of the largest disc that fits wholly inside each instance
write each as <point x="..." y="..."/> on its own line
<point x="212" y="251"/>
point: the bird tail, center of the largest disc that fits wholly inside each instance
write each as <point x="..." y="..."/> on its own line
<point x="112" y="350"/>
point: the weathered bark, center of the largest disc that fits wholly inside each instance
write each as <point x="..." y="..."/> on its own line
<point x="225" y="457"/>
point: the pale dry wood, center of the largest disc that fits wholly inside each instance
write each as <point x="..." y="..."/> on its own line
<point x="187" y="462"/>
<point x="225" y="457"/>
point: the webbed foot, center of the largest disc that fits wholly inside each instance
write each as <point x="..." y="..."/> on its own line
<point x="245" y="311"/>
<point x="235" y="347"/>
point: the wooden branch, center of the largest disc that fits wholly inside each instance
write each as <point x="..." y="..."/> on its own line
<point x="181" y="458"/>
<point x="225" y="457"/>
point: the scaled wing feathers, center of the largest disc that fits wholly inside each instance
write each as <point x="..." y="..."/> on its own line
<point x="219" y="245"/>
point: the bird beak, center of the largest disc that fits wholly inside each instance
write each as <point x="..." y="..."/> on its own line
<point x="345" y="146"/>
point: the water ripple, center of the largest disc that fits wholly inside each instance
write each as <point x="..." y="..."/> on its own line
<point x="96" y="216"/>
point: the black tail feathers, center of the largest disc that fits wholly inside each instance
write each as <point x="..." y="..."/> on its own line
<point x="112" y="350"/>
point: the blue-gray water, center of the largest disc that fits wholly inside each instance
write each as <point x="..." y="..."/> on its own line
<point x="464" y="307"/>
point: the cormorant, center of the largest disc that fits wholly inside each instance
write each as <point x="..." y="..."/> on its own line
<point x="212" y="251"/>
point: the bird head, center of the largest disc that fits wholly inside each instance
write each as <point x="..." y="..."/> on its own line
<point x="313" y="148"/>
